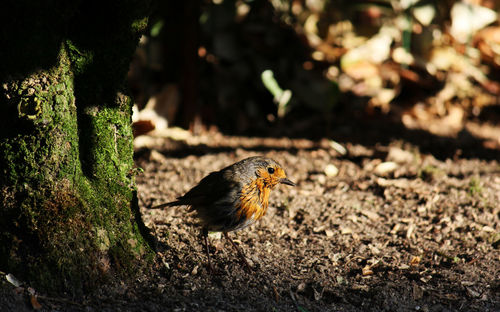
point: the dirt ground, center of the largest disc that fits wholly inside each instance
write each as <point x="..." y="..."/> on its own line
<point x="421" y="233"/>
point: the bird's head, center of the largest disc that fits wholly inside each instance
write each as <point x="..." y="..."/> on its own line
<point x="271" y="173"/>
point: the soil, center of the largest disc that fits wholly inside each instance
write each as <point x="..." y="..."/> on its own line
<point x="421" y="235"/>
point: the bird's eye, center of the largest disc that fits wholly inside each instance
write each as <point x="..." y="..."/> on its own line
<point x="270" y="170"/>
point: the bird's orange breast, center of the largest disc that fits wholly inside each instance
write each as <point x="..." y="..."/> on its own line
<point x="254" y="200"/>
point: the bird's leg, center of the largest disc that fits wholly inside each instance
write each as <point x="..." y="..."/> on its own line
<point x="204" y="233"/>
<point x="240" y="253"/>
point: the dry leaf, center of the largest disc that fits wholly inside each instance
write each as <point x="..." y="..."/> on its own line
<point x="13" y="280"/>
<point x="34" y="303"/>
<point x="415" y="261"/>
<point x="424" y="13"/>
<point x="468" y="18"/>
<point x="367" y="270"/>
<point x="142" y="127"/>
<point x="488" y="40"/>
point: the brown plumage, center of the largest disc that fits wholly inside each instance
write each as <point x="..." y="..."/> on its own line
<point x="234" y="197"/>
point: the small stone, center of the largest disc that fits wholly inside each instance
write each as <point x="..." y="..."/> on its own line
<point x="331" y="170"/>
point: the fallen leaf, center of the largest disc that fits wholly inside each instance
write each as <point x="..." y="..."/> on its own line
<point x="367" y="270"/>
<point x="34" y="303"/>
<point x="13" y="280"/>
<point x="415" y="261"/>
<point x="487" y="40"/>
<point x="468" y="18"/>
<point x="424" y="13"/>
<point x="141" y="127"/>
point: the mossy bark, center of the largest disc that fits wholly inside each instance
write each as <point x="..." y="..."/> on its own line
<point x="68" y="210"/>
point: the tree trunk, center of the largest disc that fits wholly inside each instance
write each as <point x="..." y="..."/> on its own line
<point x="69" y="217"/>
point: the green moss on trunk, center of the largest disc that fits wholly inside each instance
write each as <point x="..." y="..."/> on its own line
<point x="67" y="190"/>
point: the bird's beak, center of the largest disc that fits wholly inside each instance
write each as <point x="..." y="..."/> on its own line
<point x="287" y="182"/>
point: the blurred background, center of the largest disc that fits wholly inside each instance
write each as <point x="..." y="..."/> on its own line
<point x="310" y="68"/>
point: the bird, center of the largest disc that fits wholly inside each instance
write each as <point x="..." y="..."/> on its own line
<point x="233" y="198"/>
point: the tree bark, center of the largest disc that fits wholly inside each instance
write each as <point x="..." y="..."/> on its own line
<point x="69" y="217"/>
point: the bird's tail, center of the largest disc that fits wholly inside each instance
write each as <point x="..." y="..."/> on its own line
<point x="170" y="204"/>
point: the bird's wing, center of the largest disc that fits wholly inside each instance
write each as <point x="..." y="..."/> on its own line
<point x="211" y="189"/>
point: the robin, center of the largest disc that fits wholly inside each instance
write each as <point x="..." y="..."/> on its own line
<point x="234" y="197"/>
